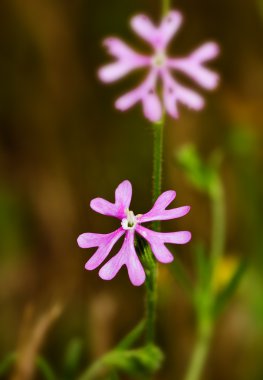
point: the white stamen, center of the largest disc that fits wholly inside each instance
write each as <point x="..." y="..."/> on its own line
<point x="130" y="222"/>
<point x="159" y="59"/>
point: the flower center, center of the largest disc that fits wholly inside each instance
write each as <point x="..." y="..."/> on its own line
<point x="159" y="59"/>
<point x="130" y="222"/>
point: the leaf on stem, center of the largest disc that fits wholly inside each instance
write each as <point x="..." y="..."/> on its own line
<point x="72" y="359"/>
<point x="132" y="337"/>
<point x="203" y="176"/>
<point x="181" y="276"/>
<point x="138" y="362"/>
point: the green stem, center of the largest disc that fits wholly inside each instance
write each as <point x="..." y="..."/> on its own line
<point x="165" y="7"/>
<point x="206" y="316"/>
<point x="151" y="293"/>
<point x="95" y="370"/>
<point x="218" y="220"/>
<point x="199" y="355"/>
<point x="151" y="265"/>
<point x="100" y="367"/>
<point x="157" y="158"/>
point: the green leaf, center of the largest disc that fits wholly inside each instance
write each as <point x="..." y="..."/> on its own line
<point x="72" y="359"/>
<point x="41" y="363"/>
<point x="181" y="276"/>
<point x="45" y="368"/>
<point x="132" y="337"/>
<point x="203" y="266"/>
<point x="112" y="376"/>
<point x="202" y="175"/>
<point x="202" y="292"/>
<point x="7" y="362"/>
<point x="230" y="288"/>
<point x="138" y="362"/>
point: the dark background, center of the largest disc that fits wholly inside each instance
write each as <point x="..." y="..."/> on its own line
<point x="62" y="144"/>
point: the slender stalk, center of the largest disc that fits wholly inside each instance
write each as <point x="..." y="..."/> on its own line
<point x="94" y="371"/>
<point x="157" y="158"/>
<point x="165" y="7"/>
<point x="151" y="294"/>
<point x="151" y="265"/>
<point x="205" y="313"/>
<point x="199" y="355"/>
<point x="218" y="227"/>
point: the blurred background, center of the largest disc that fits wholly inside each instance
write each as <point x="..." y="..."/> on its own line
<point x="62" y="144"/>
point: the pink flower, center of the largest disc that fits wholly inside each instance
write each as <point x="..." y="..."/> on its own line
<point x="160" y="66"/>
<point x="128" y="226"/>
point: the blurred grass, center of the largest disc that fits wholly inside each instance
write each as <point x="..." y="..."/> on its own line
<point x="62" y="143"/>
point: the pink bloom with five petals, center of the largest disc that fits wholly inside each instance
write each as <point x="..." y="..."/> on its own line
<point x="160" y="67"/>
<point x="129" y="225"/>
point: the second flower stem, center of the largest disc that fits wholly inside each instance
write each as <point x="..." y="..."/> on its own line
<point x="199" y="355"/>
<point x="165" y="7"/>
<point x="157" y="158"/>
<point x="206" y="317"/>
<point x="151" y="271"/>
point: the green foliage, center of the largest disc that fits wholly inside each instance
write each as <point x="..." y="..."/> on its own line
<point x="45" y="369"/>
<point x="203" y="266"/>
<point x="132" y="336"/>
<point x="72" y="359"/>
<point x="42" y="365"/>
<point x="181" y="276"/>
<point x="138" y="362"/>
<point x="7" y="362"/>
<point x="203" y="176"/>
<point x="230" y="288"/>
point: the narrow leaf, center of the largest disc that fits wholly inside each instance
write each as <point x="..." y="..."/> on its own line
<point x="230" y="288"/>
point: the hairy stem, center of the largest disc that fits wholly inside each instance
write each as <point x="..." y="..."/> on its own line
<point x="151" y="265"/>
<point x="157" y="158"/>
<point x="151" y="294"/>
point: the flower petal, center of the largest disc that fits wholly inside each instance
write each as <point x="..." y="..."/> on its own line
<point x="170" y="103"/>
<point x="105" y="242"/>
<point x="128" y="60"/>
<point x="174" y="92"/>
<point x="164" y="200"/>
<point x="114" y="71"/>
<point x="159" y="212"/>
<point x="143" y="26"/>
<point x="146" y="93"/>
<point x="201" y="75"/>
<point x="104" y="207"/>
<point x="189" y="98"/>
<point x="193" y="65"/>
<point x="128" y="100"/>
<point x="158" y="239"/>
<point x="118" y="48"/>
<point x="169" y="26"/>
<point x="152" y="108"/>
<point x="126" y="256"/>
<point x="123" y="195"/>
<point x="206" y="52"/>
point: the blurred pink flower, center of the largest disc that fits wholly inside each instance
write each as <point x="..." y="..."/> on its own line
<point x="160" y="66"/>
<point x="129" y="225"/>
